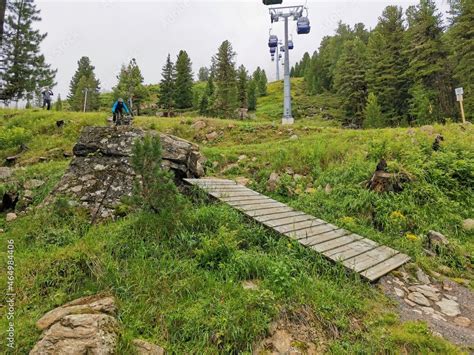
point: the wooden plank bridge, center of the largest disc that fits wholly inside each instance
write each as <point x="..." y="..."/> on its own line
<point x="359" y="254"/>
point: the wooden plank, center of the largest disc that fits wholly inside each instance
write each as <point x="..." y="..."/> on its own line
<point x="234" y="194"/>
<point x="294" y="227"/>
<point x="278" y="216"/>
<point x="364" y="261"/>
<point x="335" y="243"/>
<point x="268" y="211"/>
<point x="288" y="220"/>
<point x="319" y="227"/>
<point x="243" y="198"/>
<point x="383" y="268"/>
<point x="260" y="200"/>
<point x="351" y="250"/>
<point x="324" y="237"/>
<point x="260" y="206"/>
<point x="355" y="252"/>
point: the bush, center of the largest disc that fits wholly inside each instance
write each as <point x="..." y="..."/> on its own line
<point x="13" y="137"/>
<point x="154" y="187"/>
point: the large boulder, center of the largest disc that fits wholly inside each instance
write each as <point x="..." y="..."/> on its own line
<point x="100" y="174"/>
<point x="84" y="326"/>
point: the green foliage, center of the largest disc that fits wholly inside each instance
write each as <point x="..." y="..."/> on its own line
<point x="84" y="79"/>
<point x="14" y="137"/>
<point x="350" y="80"/>
<point x="225" y="98"/>
<point x="242" y="83"/>
<point x="461" y="40"/>
<point x="24" y="71"/>
<point x="154" y="187"/>
<point x="421" y="105"/>
<point x="130" y="86"/>
<point x="427" y="53"/>
<point x="252" y="95"/>
<point x="260" y="78"/>
<point x="203" y="74"/>
<point x="58" y="105"/>
<point x="183" y="93"/>
<point x="373" y="117"/>
<point x="167" y="86"/>
<point x="217" y="249"/>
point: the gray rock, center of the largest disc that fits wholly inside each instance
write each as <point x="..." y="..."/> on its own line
<point x="468" y="224"/>
<point x="462" y="321"/>
<point x="398" y="292"/>
<point x="198" y="125"/>
<point x="83" y="326"/>
<point x="273" y="181"/>
<point x="328" y="189"/>
<point x="212" y="136"/>
<point x="101" y="174"/>
<point x="422" y="277"/>
<point x="294" y="137"/>
<point x="145" y="348"/>
<point x="33" y="184"/>
<point x="418" y="298"/>
<point x="5" y="173"/>
<point x="10" y="217"/>
<point x="436" y="239"/>
<point x="449" y="307"/>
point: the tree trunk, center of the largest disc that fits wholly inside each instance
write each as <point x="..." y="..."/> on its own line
<point x="3" y="7"/>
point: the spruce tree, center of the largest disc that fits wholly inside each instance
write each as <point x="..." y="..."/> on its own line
<point x="257" y="77"/>
<point x="461" y="38"/>
<point x="203" y="74"/>
<point x="84" y="78"/>
<point x="387" y="65"/>
<point x="225" y="95"/>
<point x="130" y="86"/>
<point x="350" y="80"/>
<point x="242" y="77"/>
<point x="428" y="65"/>
<point x="262" y="84"/>
<point x="58" y="105"/>
<point x="22" y="68"/>
<point x="3" y="8"/>
<point x="252" y="95"/>
<point x="167" y="87"/>
<point x="183" y="94"/>
<point x="373" y="117"/>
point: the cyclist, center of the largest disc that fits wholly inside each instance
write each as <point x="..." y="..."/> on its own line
<point x="118" y="108"/>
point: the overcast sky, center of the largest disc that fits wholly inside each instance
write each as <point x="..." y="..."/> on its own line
<point x="111" y="32"/>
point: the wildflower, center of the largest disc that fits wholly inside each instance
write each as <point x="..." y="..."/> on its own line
<point x="397" y="215"/>
<point x="412" y="237"/>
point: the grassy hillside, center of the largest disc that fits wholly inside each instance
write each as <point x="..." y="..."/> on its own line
<point x="180" y="284"/>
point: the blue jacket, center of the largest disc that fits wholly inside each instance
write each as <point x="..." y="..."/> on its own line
<point x="124" y="106"/>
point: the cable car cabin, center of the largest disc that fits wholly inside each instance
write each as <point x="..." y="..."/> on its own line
<point x="282" y="48"/>
<point x="303" y="26"/>
<point x="273" y="50"/>
<point x="273" y="58"/>
<point x="290" y="44"/>
<point x="272" y="2"/>
<point x="273" y="41"/>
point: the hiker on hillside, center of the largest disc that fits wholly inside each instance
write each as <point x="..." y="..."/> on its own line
<point x="118" y="107"/>
<point x="47" y="93"/>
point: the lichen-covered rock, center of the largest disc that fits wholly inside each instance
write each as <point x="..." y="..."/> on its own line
<point x="83" y="326"/>
<point x="101" y="174"/>
<point x="144" y="348"/>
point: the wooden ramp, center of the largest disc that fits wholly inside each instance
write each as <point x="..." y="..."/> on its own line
<point x="357" y="253"/>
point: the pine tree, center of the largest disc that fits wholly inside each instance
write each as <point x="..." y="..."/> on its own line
<point x="130" y="86"/>
<point x="225" y="95"/>
<point x="387" y="65"/>
<point x="350" y="81"/>
<point x="84" y="78"/>
<point x="428" y="64"/>
<point x="262" y="84"/>
<point x="22" y="68"/>
<point x="167" y="87"/>
<point x="58" y="105"/>
<point x="204" y="105"/>
<point x="183" y="94"/>
<point x="203" y="74"/>
<point x="242" y="82"/>
<point x="461" y="38"/>
<point x="252" y="95"/>
<point x="373" y="117"/>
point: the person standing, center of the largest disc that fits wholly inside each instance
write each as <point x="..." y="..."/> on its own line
<point x="47" y="94"/>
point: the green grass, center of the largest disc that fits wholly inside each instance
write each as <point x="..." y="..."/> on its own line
<point x="182" y="288"/>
